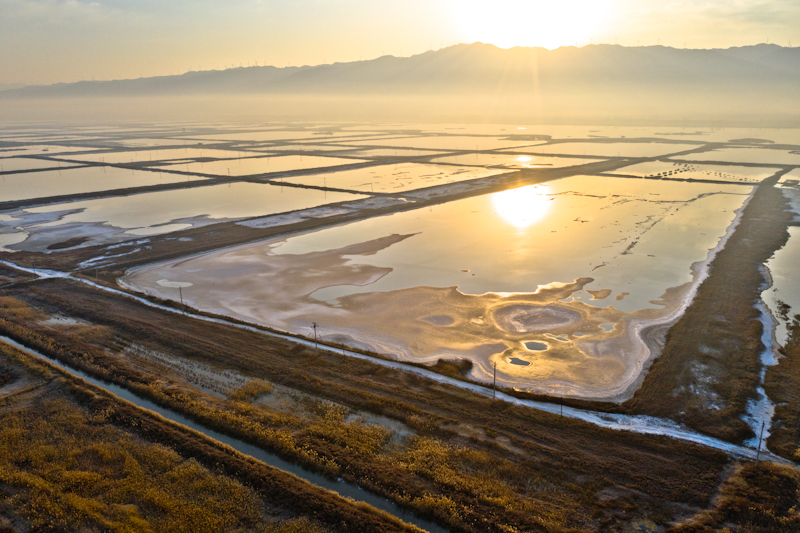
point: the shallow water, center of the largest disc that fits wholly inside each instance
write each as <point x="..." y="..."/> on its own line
<point x="747" y="155"/>
<point x="514" y="160"/>
<point x="566" y="258"/>
<point x="298" y="147"/>
<point x="394" y="152"/>
<point x="785" y="289"/>
<point x="236" y="200"/>
<point x="159" y="212"/>
<point x="41" y="149"/>
<point x="30" y="185"/>
<point x="576" y="227"/>
<point x="791" y="175"/>
<point x="271" y="136"/>
<point x="150" y="142"/>
<point x="454" y="142"/>
<point x="393" y="178"/>
<point x="115" y="158"/>
<point x="14" y="164"/>
<point x="246" y="165"/>
<point x="617" y="149"/>
<point x="668" y="170"/>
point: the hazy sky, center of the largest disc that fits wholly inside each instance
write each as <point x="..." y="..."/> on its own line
<point x="45" y="41"/>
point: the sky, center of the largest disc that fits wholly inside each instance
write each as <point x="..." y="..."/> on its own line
<point x="49" y="41"/>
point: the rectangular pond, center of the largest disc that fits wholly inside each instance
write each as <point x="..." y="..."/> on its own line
<point x="514" y="160"/>
<point x="449" y="142"/>
<point x="113" y="219"/>
<point x="248" y="166"/>
<point x="692" y="171"/>
<point x="554" y="283"/>
<point x="139" y="156"/>
<point x="765" y="156"/>
<point x="15" y="164"/>
<point x="612" y="149"/>
<point x="393" y="178"/>
<point x="42" y="149"/>
<point x="66" y="181"/>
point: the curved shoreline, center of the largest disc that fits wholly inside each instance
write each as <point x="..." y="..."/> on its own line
<point x="641" y="331"/>
<point x="638" y="345"/>
<point x="642" y="424"/>
<point x="701" y="272"/>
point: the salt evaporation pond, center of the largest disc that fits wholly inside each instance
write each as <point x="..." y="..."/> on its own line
<point x="154" y="142"/>
<point x="393" y="178"/>
<point x="515" y="160"/>
<point x="30" y="185"/>
<point x="154" y="213"/>
<point x="271" y="136"/>
<point x="16" y="164"/>
<point x="691" y="171"/>
<point x="580" y="264"/>
<point x="393" y="152"/>
<point x="301" y="148"/>
<point x="613" y="149"/>
<point x="47" y="149"/>
<point x="116" y="158"/>
<point x="248" y="166"/>
<point x="764" y="156"/>
<point x="446" y="142"/>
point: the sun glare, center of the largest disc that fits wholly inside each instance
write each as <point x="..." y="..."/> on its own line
<point x="509" y="23"/>
<point x="524" y="206"/>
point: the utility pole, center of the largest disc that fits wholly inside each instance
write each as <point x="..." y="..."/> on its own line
<point x="494" y="383"/>
<point x="180" y="292"/>
<point x="758" y="452"/>
<point x="316" y="348"/>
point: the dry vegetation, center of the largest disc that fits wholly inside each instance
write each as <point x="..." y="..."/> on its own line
<point x="753" y="500"/>
<point x="251" y="390"/>
<point x="783" y="388"/>
<point x="66" y="467"/>
<point x="467" y="463"/>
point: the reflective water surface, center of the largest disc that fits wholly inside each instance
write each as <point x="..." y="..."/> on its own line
<point x="65" y="181"/>
<point x="577" y="266"/>
<point x="783" y="298"/>
<point x="393" y="178"/>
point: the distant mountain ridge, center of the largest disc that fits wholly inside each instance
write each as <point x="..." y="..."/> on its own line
<point x="474" y="69"/>
<point x="753" y="85"/>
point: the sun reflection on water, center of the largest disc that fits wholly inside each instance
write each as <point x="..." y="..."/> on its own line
<point x="523" y="207"/>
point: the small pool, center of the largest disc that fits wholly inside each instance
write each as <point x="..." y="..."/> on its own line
<point x="536" y="346"/>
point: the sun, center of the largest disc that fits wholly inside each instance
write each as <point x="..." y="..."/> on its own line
<point x="523" y="207"/>
<point x="509" y="23"/>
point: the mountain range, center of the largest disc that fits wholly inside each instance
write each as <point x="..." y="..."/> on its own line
<point x="761" y="80"/>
